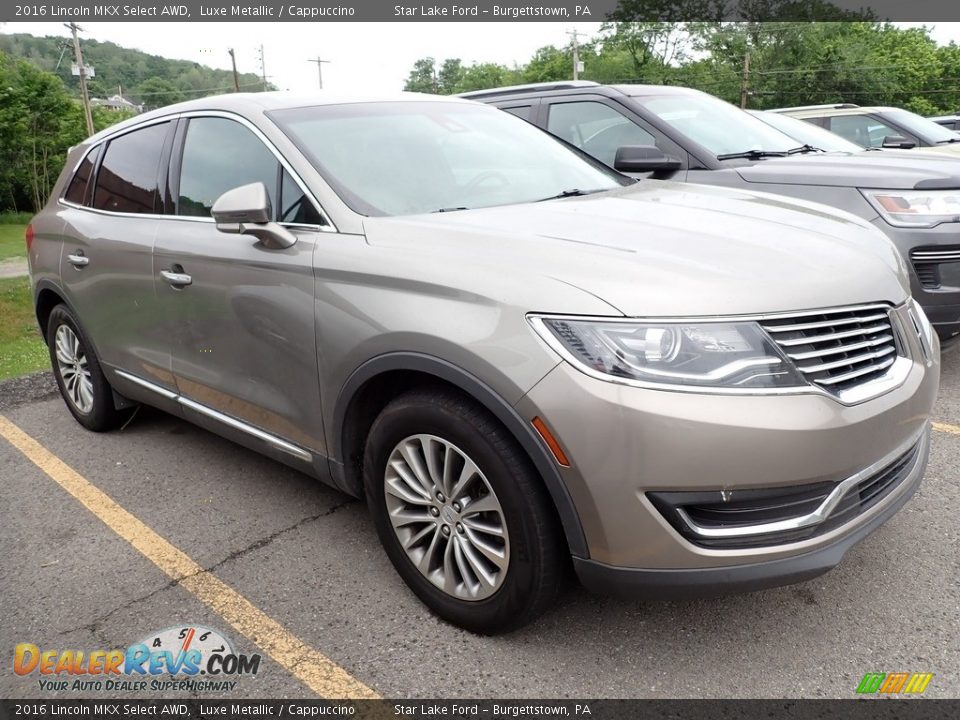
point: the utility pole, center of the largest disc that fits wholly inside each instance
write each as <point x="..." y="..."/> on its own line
<point x="263" y="68"/>
<point x="78" y="55"/>
<point x="577" y="65"/>
<point x="319" y="63"/>
<point x="745" y="81"/>
<point x="236" y="78"/>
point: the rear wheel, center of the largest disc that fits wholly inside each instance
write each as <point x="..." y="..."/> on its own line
<point x="79" y="376"/>
<point x="462" y="514"/>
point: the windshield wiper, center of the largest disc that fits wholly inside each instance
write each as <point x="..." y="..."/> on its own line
<point x="751" y="155"/>
<point x="573" y="192"/>
<point x="449" y="209"/>
<point x="805" y="149"/>
<point x="947" y="142"/>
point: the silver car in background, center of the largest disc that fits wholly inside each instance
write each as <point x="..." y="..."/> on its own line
<point x="520" y="358"/>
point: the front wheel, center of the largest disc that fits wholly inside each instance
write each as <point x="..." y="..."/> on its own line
<point x="461" y="513"/>
<point x="79" y="376"/>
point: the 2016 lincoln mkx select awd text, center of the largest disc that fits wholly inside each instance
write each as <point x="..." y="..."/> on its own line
<point x="516" y="355"/>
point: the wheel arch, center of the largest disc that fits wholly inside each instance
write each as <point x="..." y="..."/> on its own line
<point x="47" y="296"/>
<point x="374" y="383"/>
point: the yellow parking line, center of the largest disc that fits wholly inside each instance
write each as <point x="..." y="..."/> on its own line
<point x="943" y="427"/>
<point x="313" y="669"/>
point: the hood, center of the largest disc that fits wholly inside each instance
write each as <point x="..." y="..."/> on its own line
<point x="949" y="149"/>
<point x="660" y="249"/>
<point x="887" y="169"/>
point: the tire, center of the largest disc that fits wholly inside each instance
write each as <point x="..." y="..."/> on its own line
<point x="84" y="388"/>
<point x="530" y="553"/>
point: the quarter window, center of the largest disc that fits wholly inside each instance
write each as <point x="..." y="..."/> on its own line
<point x="294" y="206"/>
<point x="127" y="178"/>
<point x="219" y="155"/>
<point x="595" y="128"/>
<point x="77" y="192"/>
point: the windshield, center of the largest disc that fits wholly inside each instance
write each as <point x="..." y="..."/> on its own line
<point x="716" y="125"/>
<point x="922" y="127"/>
<point x="406" y="158"/>
<point x="807" y="133"/>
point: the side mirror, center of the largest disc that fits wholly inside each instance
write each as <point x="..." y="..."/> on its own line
<point x="898" y="142"/>
<point x="643" y="158"/>
<point x="246" y="210"/>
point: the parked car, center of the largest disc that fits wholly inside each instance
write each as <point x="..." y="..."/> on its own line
<point x="807" y="133"/>
<point x="689" y="136"/>
<point x="951" y="122"/>
<point x="515" y="354"/>
<point x="875" y="127"/>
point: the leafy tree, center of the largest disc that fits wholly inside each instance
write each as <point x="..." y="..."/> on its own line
<point x="156" y="92"/>
<point x="422" y="77"/>
<point x="450" y="76"/>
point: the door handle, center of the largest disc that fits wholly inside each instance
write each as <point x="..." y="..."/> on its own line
<point x="78" y="259"/>
<point x="177" y="279"/>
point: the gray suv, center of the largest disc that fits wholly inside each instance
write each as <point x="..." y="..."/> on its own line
<point x="516" y="355"/>
<point x="689" y="136"/>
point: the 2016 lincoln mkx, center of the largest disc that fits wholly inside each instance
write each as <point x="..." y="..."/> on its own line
<point x="516" y="355"/>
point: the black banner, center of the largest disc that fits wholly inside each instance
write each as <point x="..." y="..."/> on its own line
<point x="861" y="709"/>
<point x="477" y="11"/>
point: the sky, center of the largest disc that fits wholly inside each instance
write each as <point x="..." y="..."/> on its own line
<point x="372" y="57"/>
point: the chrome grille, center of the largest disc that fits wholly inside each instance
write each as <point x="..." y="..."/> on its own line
<point x="838" y="349"/>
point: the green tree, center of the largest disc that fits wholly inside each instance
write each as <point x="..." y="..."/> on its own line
<point x="422" y="77"/>
<point x="156" y="92"/>
<point x="450" y="76"/>
<point x="35" y="132"/>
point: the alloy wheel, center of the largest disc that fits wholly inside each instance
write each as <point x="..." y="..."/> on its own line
<point x="74" y="369"/>
<point x="447" y="517"/>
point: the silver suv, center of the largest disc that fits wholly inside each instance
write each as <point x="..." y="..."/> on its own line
<point x="517" y="355"/>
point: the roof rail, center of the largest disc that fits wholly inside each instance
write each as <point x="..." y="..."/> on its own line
<point x="516" y="89"/>
<point x="828" y="106"/>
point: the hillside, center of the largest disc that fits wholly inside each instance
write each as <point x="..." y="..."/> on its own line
<point x="148" y="79"/>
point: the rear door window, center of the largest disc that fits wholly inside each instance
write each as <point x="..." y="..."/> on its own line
<point x="127" y="178"/>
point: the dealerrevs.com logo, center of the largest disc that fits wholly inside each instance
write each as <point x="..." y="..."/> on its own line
<point x="190" y="658"/>
<point x="899" y="682"/>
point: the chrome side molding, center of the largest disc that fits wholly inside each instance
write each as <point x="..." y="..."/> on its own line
<point x="220" y="417"/>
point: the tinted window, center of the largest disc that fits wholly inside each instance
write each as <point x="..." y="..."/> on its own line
<point x="127" y="179"/>
<point x="521" y="111"/>
<point x="294" y="207"/>
<point x="77" y="192"/>
<point x="219" y="155"/>
<point x="595" y="128"/>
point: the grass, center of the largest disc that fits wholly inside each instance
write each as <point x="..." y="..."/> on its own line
<point x="12" y="244"/>
<point x="21" y="349"/>
<point x="15" y="218"/>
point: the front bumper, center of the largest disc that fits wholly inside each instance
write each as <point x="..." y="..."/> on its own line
<point x="710" y="582"/>
<point x="941" y="304"/>
<point x="625" y="442"/>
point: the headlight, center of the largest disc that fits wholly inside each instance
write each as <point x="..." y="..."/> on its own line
<point x="711" y="355"/>
<point x="916" y="208"/>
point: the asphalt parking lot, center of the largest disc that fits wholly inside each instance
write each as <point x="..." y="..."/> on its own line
<point x="308" y="561"/>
